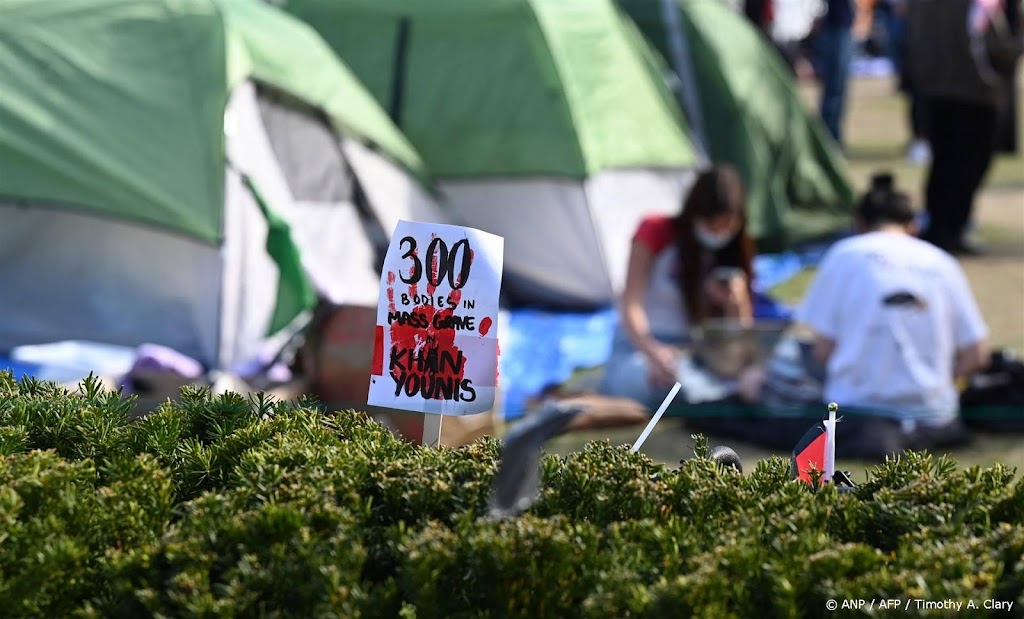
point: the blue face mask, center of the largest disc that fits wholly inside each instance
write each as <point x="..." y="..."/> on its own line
<point x="710" y="240"/>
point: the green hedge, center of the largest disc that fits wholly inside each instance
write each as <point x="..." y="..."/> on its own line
<point x="227" y="506"/>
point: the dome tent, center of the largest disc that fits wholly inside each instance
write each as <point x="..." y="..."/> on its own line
<point x="743" y="101"/>
<point x="187" y="173"/>
<point x="548" y="123"/>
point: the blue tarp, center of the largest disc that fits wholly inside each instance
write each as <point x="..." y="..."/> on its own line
<point x="541" y="348"/>
<point x="20" y="369"/>
<point x="770" y="270"/>
<point x="68" y="362"/>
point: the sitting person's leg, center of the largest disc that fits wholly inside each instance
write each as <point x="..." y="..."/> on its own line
<point x="863" y="437"/>
<point x="626" y="376"/>
<point x="953" y="433"/>
<point x="869" y="437"/>
<point x="769" y="433"/>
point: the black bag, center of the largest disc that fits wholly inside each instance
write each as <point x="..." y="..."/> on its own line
<point x="1001" y="384"/>
<point x="996" y="396"/>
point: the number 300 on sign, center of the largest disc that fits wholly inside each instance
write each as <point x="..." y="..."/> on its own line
<point x="440" y="262"/>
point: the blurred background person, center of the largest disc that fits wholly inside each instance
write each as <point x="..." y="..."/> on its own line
<point x="1008" y="133"/>
<point x="895" y="18"/>
<point x="893" y="326"/>
<point x="964" y="82"/>
<point x="896" y="325"/>
<point x="833" y="52"/>
<point x="675" y="281"/>
<point x="761" y="14"/>
<point x="792" y="23"/>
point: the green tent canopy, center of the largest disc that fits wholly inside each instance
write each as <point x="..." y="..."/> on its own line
<point x="288" y="54"/>
<point x="186" y="173"/>
<point x="508" y="87"/>
<point x="752" y="117"/>
<point x="117" y="106"/>
<point x="548" y="123"/>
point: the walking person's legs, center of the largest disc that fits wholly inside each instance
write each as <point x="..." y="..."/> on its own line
<point x="835" y="52"/>
<point x="975" y="139"/>
<point x="940" y="185"/>
<point x="919" y="152"/>
<point x="963" y="143"/>
<point x="918" y="115"/>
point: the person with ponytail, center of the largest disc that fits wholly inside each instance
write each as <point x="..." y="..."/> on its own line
<point x="683" y="270"/>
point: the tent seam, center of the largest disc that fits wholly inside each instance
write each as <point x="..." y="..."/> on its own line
<point x="219" y="346"/>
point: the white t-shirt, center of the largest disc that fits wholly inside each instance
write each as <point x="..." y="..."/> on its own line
<point x="898" y="309"/>
<point x="663" y="303"/>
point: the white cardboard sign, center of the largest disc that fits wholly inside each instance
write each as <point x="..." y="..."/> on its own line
<point x="436" y="343"/>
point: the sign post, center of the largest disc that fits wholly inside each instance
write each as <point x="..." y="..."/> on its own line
<point x="432" y="430"/>
<point x="436" y="338"/>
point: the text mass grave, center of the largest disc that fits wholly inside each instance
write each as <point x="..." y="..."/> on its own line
<point x="436" y="340"/>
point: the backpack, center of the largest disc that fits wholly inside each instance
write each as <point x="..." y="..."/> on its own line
<point x="994" y="397"/>
<point x="1000" y="384"/>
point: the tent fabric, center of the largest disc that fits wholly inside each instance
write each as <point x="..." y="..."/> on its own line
<point x="394" y="194"/>
<point x="306" y="148"/>
<point x="754" y="118"/>
<point x="337" y="253"/>
<point x="141" y="198"/>
<point x="577" y="259"/>
<point x="295" y="293"/>
<point x="68" y="275"/>
<point x="250" y="282"/>
<point x="288" y="54"/>
<point x="116" y="106"/>
<point x="87" y="123"/>
<point x="526" y="112"/>
<point x="529" y="88"/>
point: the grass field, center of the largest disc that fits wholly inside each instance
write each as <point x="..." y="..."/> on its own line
<point x="877" y="138"/>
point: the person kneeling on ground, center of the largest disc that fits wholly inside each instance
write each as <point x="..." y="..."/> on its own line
<point x="675" y="281"/>
<point x="895" y="326"/>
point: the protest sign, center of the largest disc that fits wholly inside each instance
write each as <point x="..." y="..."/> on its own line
<point x="436" y="339"/>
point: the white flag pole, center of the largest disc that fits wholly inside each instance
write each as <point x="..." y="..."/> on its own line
<point x="657" y="416"/>
<point x="830" y="441"/>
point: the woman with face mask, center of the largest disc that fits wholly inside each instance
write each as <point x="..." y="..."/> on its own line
<point x="682" y="271"/>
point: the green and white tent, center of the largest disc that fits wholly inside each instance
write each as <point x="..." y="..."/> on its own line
<point x="188" y="173"/>
<point x="548" y="123"/>
<point x="743" y="104"/>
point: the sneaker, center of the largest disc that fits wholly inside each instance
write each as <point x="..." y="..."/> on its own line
<point x="919" y="153"/>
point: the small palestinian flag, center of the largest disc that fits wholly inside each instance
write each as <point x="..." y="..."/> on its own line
<point x="817" y="449"/>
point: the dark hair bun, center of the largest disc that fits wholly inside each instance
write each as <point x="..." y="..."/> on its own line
<point x="883" y="204"/>
<point x="882" y="181"/>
